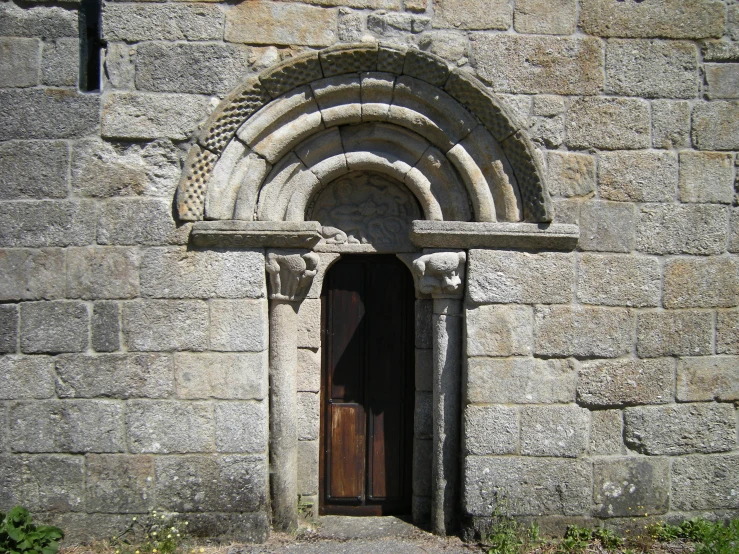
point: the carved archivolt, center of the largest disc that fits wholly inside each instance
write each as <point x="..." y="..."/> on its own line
<point x="272" y="146"/>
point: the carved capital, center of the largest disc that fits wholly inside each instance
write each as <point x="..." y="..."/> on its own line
<point x="291" y="274"/>
<point x="440" y="274"/>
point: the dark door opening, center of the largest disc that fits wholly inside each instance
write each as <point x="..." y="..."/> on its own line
<point x="367" y="387"/>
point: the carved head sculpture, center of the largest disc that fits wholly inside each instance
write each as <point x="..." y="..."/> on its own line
<point x="290" y="275"/>
<point x="440" y="273"/>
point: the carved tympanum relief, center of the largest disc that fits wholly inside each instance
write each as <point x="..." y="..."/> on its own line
<point x="365" y="211"/>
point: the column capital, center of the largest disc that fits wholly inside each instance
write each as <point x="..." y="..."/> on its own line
<point x="440" y="274"/>
<point x="290" y="274"/>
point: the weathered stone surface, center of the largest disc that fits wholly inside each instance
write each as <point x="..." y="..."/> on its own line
<point x="309" y="419"/>
<point x="526" y="486"/>
<point x="241" y="426"/>
<point x="42" y="21"/>
<point x="558" y="17"/>
<point x="105" y="328"/>
<point x="734" y="230"/>
<point x="33" y="169"/>
<point x="706" y="177"/>
<point x="27" y="377"/>
<point x="670" y="124"/>
<point x="423" y="418"/>
<point x="139" y="221"/>
<point x="32" y="274"/>
<point x="190" y="68"/>
<point x="233" y="483"/>
<point x="94" y="272"/>
<point x="701" y="283"/>
<point x="619" y="280"/>
<point x="114" y="375"/>
<point x="680" y="428"/>
<point x="119" y="483"/>
<point x="66" y="426"/>
<point x="732" y="22"/>
<point x="520" y="381"/>
<point x="660" y="18"/>
<point x="261" y="22"/>
<point x="723" y="80"/>
<point x="53" y="327"/>
<point x="163" y="325"/>
<point x="138" y="22"/>
<point x="533" y="65"/>
<point x="309" y="323"/>
<point x="48" y="114"/>
<point x="309" y="370"/>
<point x="608" y="123"/>
<point x="230" y="376"/>
<point x="626" y="487"/>
<point x="704" y="379"/>
<point x="490" y="430"/>
<point x="164" y="427"/>
<point x="652" y="68"/>
<point x="607" y="226"/>
<point x="570" y="174"/>
<point x="140" y="115"/>
<point x="19" y="62"/>
<point x="520" y="277"/>
<point x="727" y="332"/>
<point x="716" y="125"/>
<point x="720" y="50"/>
<point x="60" y="62"/>
<point x="308" y="468"/>
<point x="637" y="176"/>
<point x="468" y="14"/>
<point x="396" y="24"/>
<point x="8" y="328"/>
<point x="606" y="432"/>
<point x="674" y="333"/>
<point x="624" y="382"/>
<point x="582" y="331"/>
<point x="47" y="223"/>
<point x="120" y="66"/>
<point x="422" y="462"/>
<point x="238" y="325"/>
<point x="351" y="25"/>
<point x="499" y="330"/>
<point x="41" y="483"/>
<point x="681" y="229"/>
<point x="178" y="273"/>
<point x="452" y="46"/>
<point x="560" y="431"/>
<point x="705" y="482"/>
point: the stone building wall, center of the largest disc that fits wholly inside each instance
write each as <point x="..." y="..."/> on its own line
<point x="598" y="383"/>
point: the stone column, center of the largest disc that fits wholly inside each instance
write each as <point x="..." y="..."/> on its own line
<point x="290" y="277"/>
<point x="441" y="274"/>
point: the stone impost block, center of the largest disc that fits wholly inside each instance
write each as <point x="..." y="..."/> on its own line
<point x="47" y="223"/>
<point x="114" y="375"/>
<point x="164" y="427"/>
<point x="607" y="226"/>
<point x="27" y="377"/>
<point x="48" y="114"/>
<point x="708" y="378"/>
<point x="490" y="430"/>
<point x="233" y="483"/>
<point x="560" y="431"/>
<point x="309" y="369"/>
<point x="8" y="328"/>
<point x="520" y="381"/>
<point x="32" y="274"/>
<point x="262" y="22"/>
<point x="102" y="273"/>
<point x="164" y="325"/>
<point x="705" y="482"/>
<point x="608" y="123"/>
<point x="637" y="176"/>
<point x="625" y="487"/>
<point x="571" y="174"/>
<point x="238" y="325"/>
<point x="33" y="169"/>
<point x="38" y="21"/>
<point x="619" y="280"/>
<point x="230" y="376"/>
<point x="308" y="468"/>
<point x="53" y="327"/>
<point x="139" y="221"/>
<point x="723" y="80"/>
<point x="60" y="62"/>
<point x="701" y="282"/>
<point x="499" y="330"/>
<point x="674" y="333"/>
<point x="520" y="277"/>
<point x="66" y="426"/>
<point x="178" y="273"/>
<point x="241" y="426"/>
<point x="706" y="176"/>
<point x="545" y="18"/>
<point x="582" y="331"/>
<point x="309" y="416"/>
<point x="567" y="66"/>
<point x="105" y="327"/>
<point x="716" y="125"/>
<point x="682" y="229"/>
<point x="670" y="124"/>
<point x="604" y="383"/>
<point x="659" y="18"/>
<point x="727" y="332"/>
<point x="119" y="483"/>
<point x="468" y="14"/>
<point x="526" y="486"/>
<point x="134" y="22"/>
<point x="42" y="483"/>
<point x="19" y="63"/>
<point x="212" y="68"/>
<point x="606" y="432"/>
<point x="652" y="68"/>
<point x="680" y="429"/>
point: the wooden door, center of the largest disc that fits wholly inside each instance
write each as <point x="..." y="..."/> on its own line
<point x="367" y="387"/>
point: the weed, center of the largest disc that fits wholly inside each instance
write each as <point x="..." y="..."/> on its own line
<point x="608" y="539"/>
<point x="708" y="537"/>
<point x="19" y="535"/>
<point x="154" y="533"/>
<point x="508" y="536"/>
<point x="576" y="539"/>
